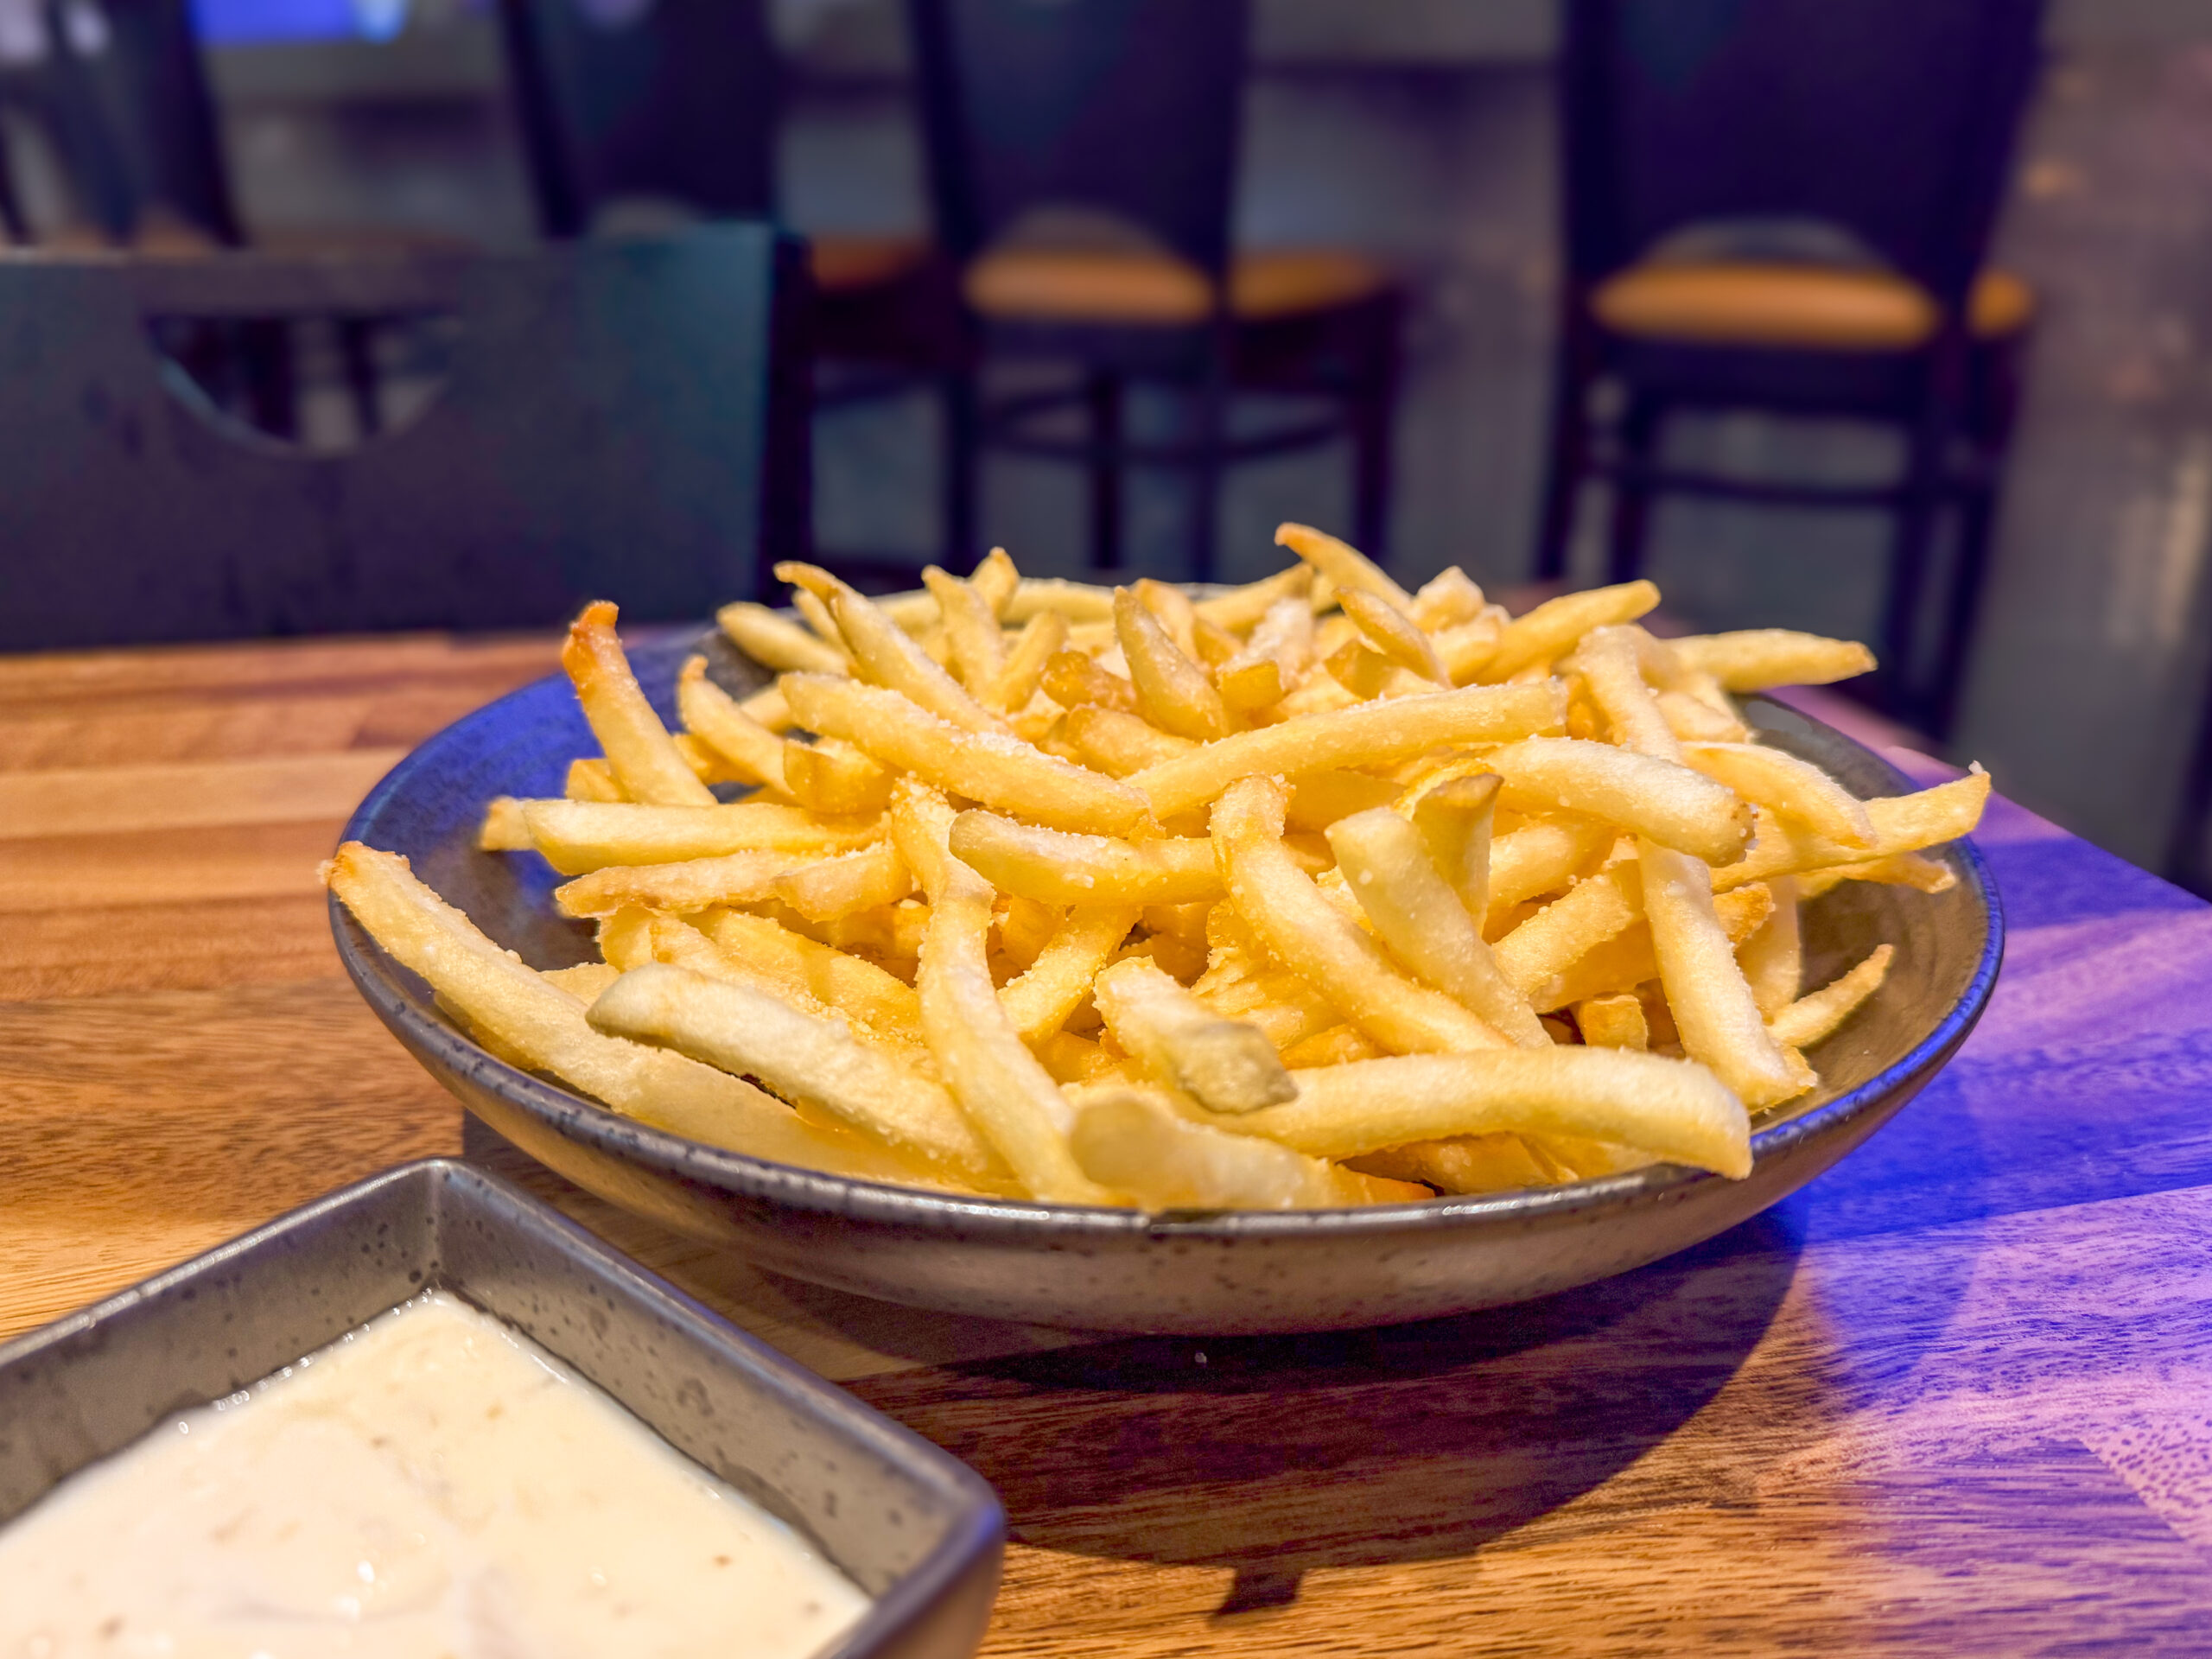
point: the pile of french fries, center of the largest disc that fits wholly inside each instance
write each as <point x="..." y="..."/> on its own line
<point x="1309" y="892"/>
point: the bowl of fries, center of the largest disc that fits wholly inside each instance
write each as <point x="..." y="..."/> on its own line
<point x="1298" y="956"/>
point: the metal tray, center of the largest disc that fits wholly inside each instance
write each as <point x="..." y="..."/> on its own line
<point x="915" y="1529"/>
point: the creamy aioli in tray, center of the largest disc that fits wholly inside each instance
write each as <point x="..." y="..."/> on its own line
<point x="431" y="1486"/>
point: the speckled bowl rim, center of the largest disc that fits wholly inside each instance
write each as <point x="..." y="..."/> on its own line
<point x="1008" y="1221"/>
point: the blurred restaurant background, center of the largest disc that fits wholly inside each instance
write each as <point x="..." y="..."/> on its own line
<point x="1917" y="350"/>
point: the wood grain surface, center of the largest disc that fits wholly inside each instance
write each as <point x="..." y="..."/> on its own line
<point x="1955" y="1397"/>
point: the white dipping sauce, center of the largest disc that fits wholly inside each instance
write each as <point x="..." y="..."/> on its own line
<point x="431" y="1486"/>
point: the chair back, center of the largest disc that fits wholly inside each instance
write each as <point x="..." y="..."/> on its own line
<point x="1893" y="120"/>
<point x="669" y="99"/>
<point x="621" y="421"/>
<point x="1130" y="108"/>
<point x="124" y="85"/>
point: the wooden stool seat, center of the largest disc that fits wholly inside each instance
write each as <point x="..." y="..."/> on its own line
<point x="1145" y="289"/>
<point x="844" y="264"/>
<point x="1796" y="307"/>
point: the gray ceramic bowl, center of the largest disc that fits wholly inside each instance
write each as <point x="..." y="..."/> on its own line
<point x="1117" y="1269"/>
<point x="916" y="1530"/>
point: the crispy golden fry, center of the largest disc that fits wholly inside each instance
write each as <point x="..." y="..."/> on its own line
<point x="971" y="630"/>
<point x="1010" y="1097"/>
<point x="1693" y="721"/>
<point x="1226" y="1065"/>
<point x="1713" y="1004"/>
<point x="583" y="981"/>
<point x="1073" y="681"/>
<point x="1455" y="818"/>
<point x="1773" y="958"/>
<point x="591" y="779"/>
<point x="1445" y="600"/>
<point x="777" y="642"/>
<point x="545" y="1024"/>
<point x="1783" y="783"/>
<point x="1283" y="637"/>
<point x="1303" y="931"/>
<point x="1059" y="869"/>
<point x="830" y="976"/>
<point x="1351" y="570"/>
<point x="1914" y="870"/>
<point x="1666" y="802"/>
<point x="1118" y="744"/>
<point x="835" y="777"/>
<point x="1614" y="1021"/>
<point x="831" y="887"/>
<point x="999" y="772"/>
<point x="1465" y="648"/>
<point x="1809" y="1019"/>
<point x="1317" y="799"/>
<point x="1336" y="1045"/>
<point x="1131" y="1140"/>
<point x="884" y="656"/>
<point x="1172" y="690"/>
<point x="717" y="720"/>
<point x="1041" y="638"/>
<point x="1627" y="960"/>
<point x="693" y="884"/>
<point x="1903" y="823"/>
<point x="814" y="609"/>
<point x="1417" y="915"/>
<point x="1758" y="658"/>
<point x="1241" y="607"/>
<point x="1538" y="857"/>
<point x="1071" y="1058"/>
<point x="1559" y="935"/>
<point x="1608" y="663"/>
<point x="1466" y="1163"/>
<point x="1552" y="628"/>
<point x="1394" y="636"/>
<point x="1673" y="1108"/>
<point x="577" y="836"/>
<point x="1077" y="601"/>
<point x="750" y="1034"/>
<point x="1370" y="735"/>
<point x="1040" y="1000"/>
<point x="643" y="760"/>
<point x="505" y="830"/>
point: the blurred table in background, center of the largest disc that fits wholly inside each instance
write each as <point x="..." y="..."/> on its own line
<point x="1953" y="1398"/>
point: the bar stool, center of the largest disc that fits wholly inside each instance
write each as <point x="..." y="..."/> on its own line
<point x="1786" y="206"/>
<point x="1083" y="163"/>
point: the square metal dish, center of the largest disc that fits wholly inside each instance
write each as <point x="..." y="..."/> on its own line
<point x="916" y="1530"/>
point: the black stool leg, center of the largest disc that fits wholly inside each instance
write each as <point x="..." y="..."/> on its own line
<point x="1631" y="519"/>
<point x="1371" y="410"/>
<point x="357" y="348"/>
<point x="1901" y="688"/>
<point x="1102" y="395"/>
<point x="1205" y="504"/>
<point x="1565" y="464"/>
<point x="956" y="396"/>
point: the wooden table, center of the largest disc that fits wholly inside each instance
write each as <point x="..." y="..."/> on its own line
<point x="1954" y="1397"/>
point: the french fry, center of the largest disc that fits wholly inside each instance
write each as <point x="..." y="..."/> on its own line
<point x="1627" y="960"/>
<point x="1367" y="735"/>
<point x="994" y="578"/>
<point x="1421" y="920"/>
<point x="1128" y="1139"/>
<point x="1060" y="869"/>
<point x="1713" y="1004"/>
<point x="1913" y="870"/>
<point x="1756" y="659"/>
<point x="1464" y="1164"/>
<point x="831" y="976"/>
<point x="541" y="1021"/>
<point x="1809" y="1019"/>
<point x="1614" y="1021"/>
<point x="1073" y="681"/>
<point x="831" y="887"/>
<point x="690" y="884"/>
<point x="1566" y="930"/>
<point x="1010" y="1097"/>
<point x="1659" y="799"/>
<point x="777" y="642"/>
<point x="1334" y="1045"/>
<point x="583" y="981"/>
<point x="638" y="747"/>
<point x="505" y="830"/>
<point x="999" y="772"/>
<point x="578" y="836"/>
<point x="1674" y="1110"/>
<point x="1307" y="933"/>
<point x="834" y="777"/>
<point x="885" y="656"/>
<point x="1039" y="1000"/>
<point x="1394" y="636"/>
<point x="1241" y="607"/>
<point x="1121" y="744"/>
<point x="1172" y="690"/>
<point x="591" y="778"/>
<point x="1445" y="600"/>
<point x="1350" y="569"/>
<point x="1773" y="958"/>
<point x="1077" y="601"/>
<point x="750" y="1034"/>
<point x="971" y="630"/>
<point x="1538" y="857"/>
<point x="716" y="718"/>
<point x="1783" y="783"/>
<point x="1903" y="823"/>
<point x="1455" y="819"/>
<point x="1226" y="1065"/>
<point x="1553" y="628"/>
<point x="1041" y="638"/>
